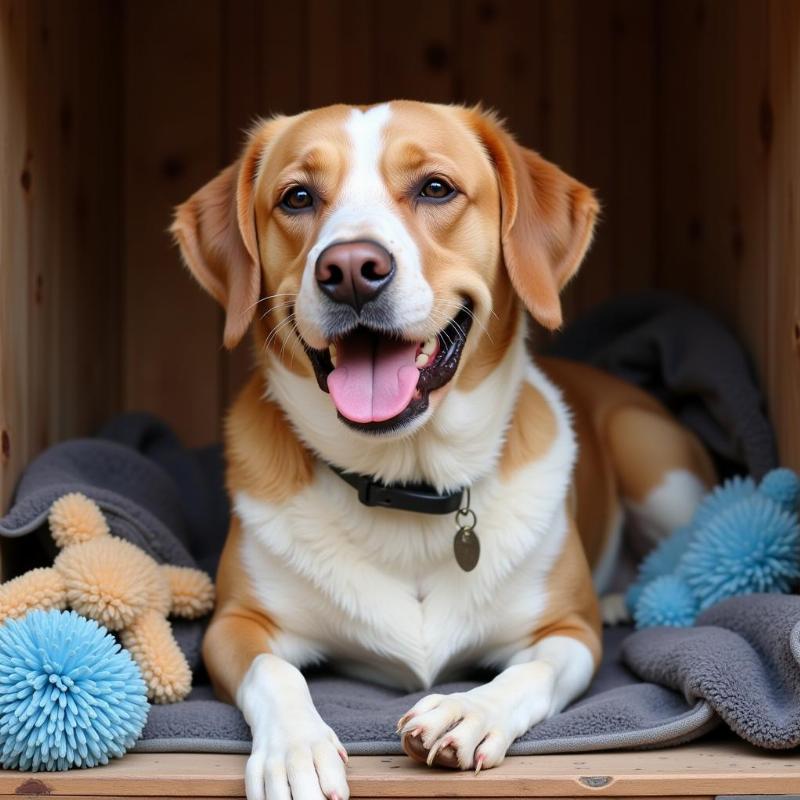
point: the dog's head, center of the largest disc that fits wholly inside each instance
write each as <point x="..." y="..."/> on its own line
<point x="390" y="245"/>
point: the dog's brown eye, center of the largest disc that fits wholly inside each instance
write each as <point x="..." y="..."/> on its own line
<point x="436" y="189"/>
<point x="297" y="198"/>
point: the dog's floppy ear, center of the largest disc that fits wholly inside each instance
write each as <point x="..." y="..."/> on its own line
<point x="216" y="231"/>
<point x="547" y="220"/>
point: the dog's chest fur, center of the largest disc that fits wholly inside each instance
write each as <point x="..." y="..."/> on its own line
<point x="378" y="592"/>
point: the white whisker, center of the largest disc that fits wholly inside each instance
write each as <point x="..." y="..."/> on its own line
<point x="270" y="297"/>
<point x="274" y="332"/>
<point x="276" y="308"/>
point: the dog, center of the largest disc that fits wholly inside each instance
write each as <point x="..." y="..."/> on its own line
<point x="385" y="257"/>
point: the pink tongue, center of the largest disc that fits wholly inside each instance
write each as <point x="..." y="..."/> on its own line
<point x="375" y="377"/>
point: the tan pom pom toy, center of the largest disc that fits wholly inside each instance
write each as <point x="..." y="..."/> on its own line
<point x="114" y="582"/>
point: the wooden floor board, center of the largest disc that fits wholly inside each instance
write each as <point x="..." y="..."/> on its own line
<point x="699" y="770"/>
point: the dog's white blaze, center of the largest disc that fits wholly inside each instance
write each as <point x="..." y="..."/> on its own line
<point x="378" y="591"/>
<point x="364" y="210"/>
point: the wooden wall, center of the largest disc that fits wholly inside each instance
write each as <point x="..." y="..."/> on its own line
<point x="60" y="150"/>
<point x="684" y="114"/>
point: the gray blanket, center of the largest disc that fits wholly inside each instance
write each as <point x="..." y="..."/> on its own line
<point x="689" y="361"/>
<point x="655" y="687"/>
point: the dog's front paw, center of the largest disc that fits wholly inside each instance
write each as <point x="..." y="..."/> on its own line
<point x="466" y="730"/>
<point x="298" y="759"/>
<point x="295" y="755"/>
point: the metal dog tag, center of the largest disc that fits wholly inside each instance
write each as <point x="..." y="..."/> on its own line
<point x="467" y="549"/>
<point x="466" y="546"/>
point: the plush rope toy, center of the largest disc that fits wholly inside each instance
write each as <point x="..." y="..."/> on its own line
<point x="742" y="539"/>
<point x="112" y="581"/>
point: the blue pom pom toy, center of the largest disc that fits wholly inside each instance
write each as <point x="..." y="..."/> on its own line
<point x="70" y="696"/>
<point x="666" y="600"/>
<point x="743" y="538"/>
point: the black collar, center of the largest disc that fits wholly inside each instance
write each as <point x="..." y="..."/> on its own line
<point x="418" y="497"/>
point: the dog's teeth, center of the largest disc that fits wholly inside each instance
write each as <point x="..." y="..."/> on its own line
<point x="422" y="360"/>
<point x="333" y="354"/>
<point x="429" y="346"/>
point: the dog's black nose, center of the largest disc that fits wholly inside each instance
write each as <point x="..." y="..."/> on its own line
<point x="354" y="272"/>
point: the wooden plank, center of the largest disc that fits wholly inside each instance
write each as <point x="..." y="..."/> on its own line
<point x="374" y="797"/>
<point x="371" y="797"/>
<point x="753" y="137"/>
<point x="501" y="62"/>
<point x="341" y="62"/>
<point x="15" y="181"/>
<point x="284" y="57"/>
<point x="692" y="770"/>
<point x="679" y="212"/>
<point x="48" y="227"/>
<point x="80" y="266"/>
<point x="172" y="146"/>
<point x="631" y="210"/>
<point x="784" y="229"/>
<point x="416" y="50"/>
<point x="59" y="199"/>
<point x="596" y="145"/>
<point x="559" y="43"/>
<point x="717" y="80"/>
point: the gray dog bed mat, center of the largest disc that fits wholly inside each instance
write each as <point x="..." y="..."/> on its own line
<point x="740" y="665"/>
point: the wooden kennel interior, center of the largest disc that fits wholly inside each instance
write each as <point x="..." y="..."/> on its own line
<point x="683" y="114"/>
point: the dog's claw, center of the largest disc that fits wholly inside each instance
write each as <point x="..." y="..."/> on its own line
<point x="479" y="763"/>
<point x="403" y="721"/>
<point x="343" y="755"/>
<point x="434" y="751"/>
<point x="409" y="728"/>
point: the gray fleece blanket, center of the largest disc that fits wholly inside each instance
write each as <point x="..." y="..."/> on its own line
<point x="655" y="687"/>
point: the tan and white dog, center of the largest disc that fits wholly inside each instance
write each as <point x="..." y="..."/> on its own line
<point x="384" y="257"/>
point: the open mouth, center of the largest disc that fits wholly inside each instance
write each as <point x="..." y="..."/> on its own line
<point x="379" y="382"/>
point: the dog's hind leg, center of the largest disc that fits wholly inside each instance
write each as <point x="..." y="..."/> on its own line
<point x="662" y="470"/>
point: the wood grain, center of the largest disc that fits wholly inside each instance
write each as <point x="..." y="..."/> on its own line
<point x="784" y="229"/>
<point x="60" y="223"/>
<point x="501" y="63"/>
<point x="416" y="50"/>
<point x="750" y="212"/>
<point x="341" y="56"/>
<point x="596" y="165"/>
<point x="693" y="770"/>
<point x="15" y="419"/>
<point x="631" y="214"/>
<point x="172" y="146"/>
<point x="679" y="198"/>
